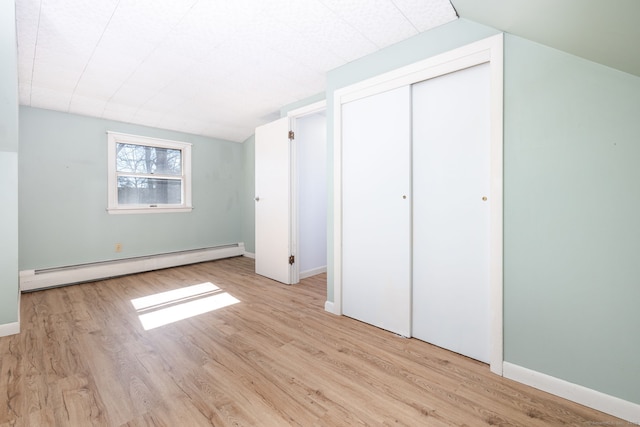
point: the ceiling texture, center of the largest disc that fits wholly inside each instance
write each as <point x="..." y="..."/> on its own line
<point x="209" y="67"/>
<point x="222" y="67"/>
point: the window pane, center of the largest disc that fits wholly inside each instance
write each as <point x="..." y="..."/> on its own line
<point x="149" y="191"/>
<point x="145" y="159"/>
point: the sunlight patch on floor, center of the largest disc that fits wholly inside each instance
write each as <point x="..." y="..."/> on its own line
<point x="168" y="307"/>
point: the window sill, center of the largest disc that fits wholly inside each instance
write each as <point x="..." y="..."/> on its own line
<point x="147" y="210"/>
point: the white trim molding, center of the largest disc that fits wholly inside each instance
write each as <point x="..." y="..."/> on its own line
<point x="487" y="50"/>
<point x="313" y="272"/>
<point x="31" y="280"/>
<point x="612" y="405"/>
<point x="249" y="255"/>
<point x="10" y="328"/>
<point x="315" y="107"/>
<point x="329" y="306"/>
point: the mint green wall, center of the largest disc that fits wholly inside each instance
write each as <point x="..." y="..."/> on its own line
<point x="438" y="40"/>
<point x="63" y="194"/>
<point x="8" y="78"/>
<point x="248" y="197"/>
<point x="302" y="103"/>
<point x="8" y="165"/>
<point x="571" y="206"/>
<point x="572" y="219"/>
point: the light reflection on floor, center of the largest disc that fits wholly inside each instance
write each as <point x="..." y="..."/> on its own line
<point x="178" y="304"/>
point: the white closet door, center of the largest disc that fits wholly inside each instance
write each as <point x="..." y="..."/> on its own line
<point x="451" y="211"/>
<point x="376" y="213"/>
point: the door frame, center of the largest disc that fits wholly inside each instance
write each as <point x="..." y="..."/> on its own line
<point x="293" y="116"/>
<point x="487" y="50"/>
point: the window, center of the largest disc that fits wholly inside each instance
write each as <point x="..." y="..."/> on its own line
<point x="148" y="174"/>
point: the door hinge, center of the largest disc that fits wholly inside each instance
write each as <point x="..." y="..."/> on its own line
<point x="292" y="135"/>
<point x="292" y="259"/>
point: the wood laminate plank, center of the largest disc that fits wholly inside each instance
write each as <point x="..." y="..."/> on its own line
<point x="276" y="358"/>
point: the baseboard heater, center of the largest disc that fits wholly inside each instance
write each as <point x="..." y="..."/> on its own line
<point x="31" y="280"/>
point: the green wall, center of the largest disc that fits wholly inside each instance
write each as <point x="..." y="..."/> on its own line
<point x="248" y="198"/>
<point x="572" y="219"/>
<point x="571" y="206"/>
<point x="63" y="194"/>
<point x="571" y="187"/>
<point x="8" y="165"/>
<point x="302" y="103"/>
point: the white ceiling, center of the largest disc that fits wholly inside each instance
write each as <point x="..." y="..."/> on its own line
<point x="209" y="67"/>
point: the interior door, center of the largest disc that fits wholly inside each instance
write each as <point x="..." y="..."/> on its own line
<point x="451" y="211"/>
<point x="376" y="213"/>
<point x="273" y="201"/>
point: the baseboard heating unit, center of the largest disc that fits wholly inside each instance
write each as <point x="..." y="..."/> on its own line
<point x="31" y="280"/>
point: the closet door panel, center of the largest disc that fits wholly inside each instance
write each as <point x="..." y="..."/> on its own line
<point x="376" y="221"/>
<point x="451" y="211"/>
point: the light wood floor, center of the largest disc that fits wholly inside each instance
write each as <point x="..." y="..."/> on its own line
<point x="276" y="358"/>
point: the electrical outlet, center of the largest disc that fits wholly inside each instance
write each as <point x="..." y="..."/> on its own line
<point x="118" y="247"/>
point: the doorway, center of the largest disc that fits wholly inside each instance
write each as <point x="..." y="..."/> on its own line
<point x="311" y="181"/>
<point x="291" y="200"/>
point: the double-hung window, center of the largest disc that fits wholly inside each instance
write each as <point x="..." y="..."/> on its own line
<point x="148" y="174"/>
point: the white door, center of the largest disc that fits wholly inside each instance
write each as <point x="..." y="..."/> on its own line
<point x="272" y="201"/>
<point x="376" y="210"/>
<point x="451" y="211"/>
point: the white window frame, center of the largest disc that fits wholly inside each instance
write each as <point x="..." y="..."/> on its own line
<point x="113" y="207"/>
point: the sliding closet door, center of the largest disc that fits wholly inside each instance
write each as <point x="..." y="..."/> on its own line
<point x="451" y="211"/>
<point x="376" y="213"/>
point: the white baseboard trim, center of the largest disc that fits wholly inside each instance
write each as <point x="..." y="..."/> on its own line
<point x="9" y="329"/>
<point x="39" y="279"/>
<point x="615" y="406"/>
<point x="313" y="272"/>
<point x="12" y="328"/>
<point x="328" y="306"/>
<point x="250" y="255"/>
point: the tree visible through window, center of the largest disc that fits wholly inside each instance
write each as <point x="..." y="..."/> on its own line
<point x="147" y="173"/>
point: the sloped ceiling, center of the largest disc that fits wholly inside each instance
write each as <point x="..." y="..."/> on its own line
<point x="210" y="67"/>
<point x="220" y="67"/>
<point x="603" y="31"/>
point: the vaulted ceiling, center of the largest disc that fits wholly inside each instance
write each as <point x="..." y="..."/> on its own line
<point x="209" y="67"/>
<point x="220" y="67"/>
